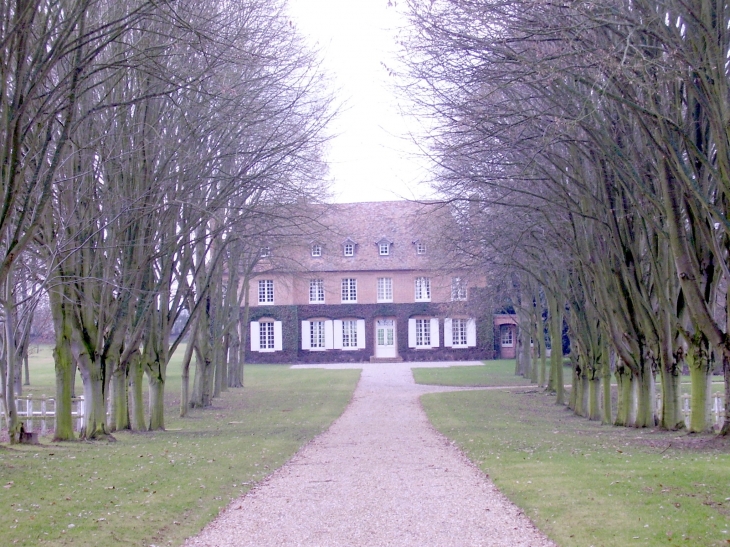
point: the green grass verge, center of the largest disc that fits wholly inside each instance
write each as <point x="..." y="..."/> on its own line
<point x="586" y="484"/>
<point x="492" y="373"/>
<point x="159" y="488"/>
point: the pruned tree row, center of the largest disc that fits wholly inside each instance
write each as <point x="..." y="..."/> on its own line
<point x="147" y="149"/>
<point x="593" y="139"/>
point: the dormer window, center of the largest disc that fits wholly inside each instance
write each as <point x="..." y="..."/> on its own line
<point x="384" y="245"/>
<point x="265" y="252"/>
<point x="420" y="248"/>
<point x="348" y="247"/>
<point x="316" y="250"/>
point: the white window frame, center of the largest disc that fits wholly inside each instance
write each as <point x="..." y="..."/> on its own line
<point x="349" y="334"/>
<point x="423" y="333"/>
<point x="420" y="248"/>
<point x="316" y="250"/>
<point x="506" y="336"/>
<point x="340" y="326"/>
<point x="265" y="252"/>
<point x="259" y="335"/>
<point x="384" y="249"/>
<point x="349" y="249"/>
<point x="385" y="289"/>
<point x="317" y="337"/>
<point x="458" y="289"/>
<point x="316" y="291"/>
<point x="349" y="289"/>
<point x="266" y="291"/>
<point x="423" y="289"/>
<point x="458" y="332"/>
<point x="416" y="339"/>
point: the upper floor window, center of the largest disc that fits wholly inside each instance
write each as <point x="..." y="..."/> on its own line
<point x="265" y="252"/>
<point x="420" y="248"/>
<point x="384" y="249"/>
<point x="423" y="289"/>
<point x="349" y="249"/>
<point x="385" y="289"/>
<point x="316" y="290"/>
<point x="349" y="289"/>
<point x="316" y="250"/>
<point x="458" y="288"/>
<point x="266" y="291"/>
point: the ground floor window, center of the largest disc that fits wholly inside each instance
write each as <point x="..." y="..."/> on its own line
<point x="349" y="333"/>
<point x="460" y="332"/>
<point x="316" y="334"/>
<point x="423" y="332"/>
<point x="266" y="335"/>
<point x="506" y="336"/>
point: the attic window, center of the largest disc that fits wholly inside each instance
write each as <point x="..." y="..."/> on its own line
<point x="265" y="252"/>
<point x="384" y="248"/>
<point x="420" y="248"/>
<point x="349" y="249"/>
<point x="316" y="250"/>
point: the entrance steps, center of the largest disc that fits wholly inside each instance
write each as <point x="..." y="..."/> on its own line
<point x="374" y="359"/>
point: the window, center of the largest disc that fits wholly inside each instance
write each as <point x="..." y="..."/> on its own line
<point x="349" y="333"/>
<point x="384" y="249"/>
<point x="458" y="332"/>
<point x="349" y="249"/>
<point x="420" y="248"/>
<point x="423" y="333"/>
<point x="458" y="288"/>
<point x="507" y="335"/>
<point x="265" y="252"/>
<point x="385" y="289"/>
<point x="316" y="291"/>
<point x="316" y="250"/>
<point x="349" y="290"/>
<point x="423" y="289"/>
<point x="266" y="335"/>
<point x="316" y="334"/>
<point x="266" y="291"/>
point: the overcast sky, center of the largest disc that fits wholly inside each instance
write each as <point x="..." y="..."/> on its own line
<point x="371" y="157"/>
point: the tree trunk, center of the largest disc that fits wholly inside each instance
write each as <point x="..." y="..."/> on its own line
<point x="606" y="383"/>
<point x="700" y="373"/>
<point x="119" y="415"/>
<point x="136" y="377"/>
<point x="624" y="381"/>
<point x="645" y="416"/>
<point x="594" y="406"/>
<point x="94" y="400"/>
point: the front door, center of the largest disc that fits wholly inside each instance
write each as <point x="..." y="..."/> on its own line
<point x="385" y="338"/>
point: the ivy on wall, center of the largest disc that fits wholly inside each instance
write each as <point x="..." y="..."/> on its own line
<point x="292" y="316"/>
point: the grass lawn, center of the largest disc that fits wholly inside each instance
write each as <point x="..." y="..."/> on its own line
<point x="586" y="484"/>
<point x="159" y="488"/>
<point x="492" y="373"/>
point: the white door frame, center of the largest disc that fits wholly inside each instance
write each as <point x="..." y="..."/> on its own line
<point x="386" y="344"/>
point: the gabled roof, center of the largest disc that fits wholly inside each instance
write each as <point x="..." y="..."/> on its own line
<point x="398" y="223"/>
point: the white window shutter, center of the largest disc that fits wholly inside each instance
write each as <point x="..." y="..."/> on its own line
<point x="328" y="335"/>
<point x="306" y="335"/>
<point x="360" y="334"/>
<point x="434" y="332"/>
<point x="277" y="336"/>
<point x="448" y="333"/>
<point x="411" y="333"/>
<point x="471" y="333"/>
<point x="255" y="336"/>
<point x="337" y="334"/>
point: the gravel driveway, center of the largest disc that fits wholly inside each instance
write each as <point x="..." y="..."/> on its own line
<point x="381" y="475"/>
